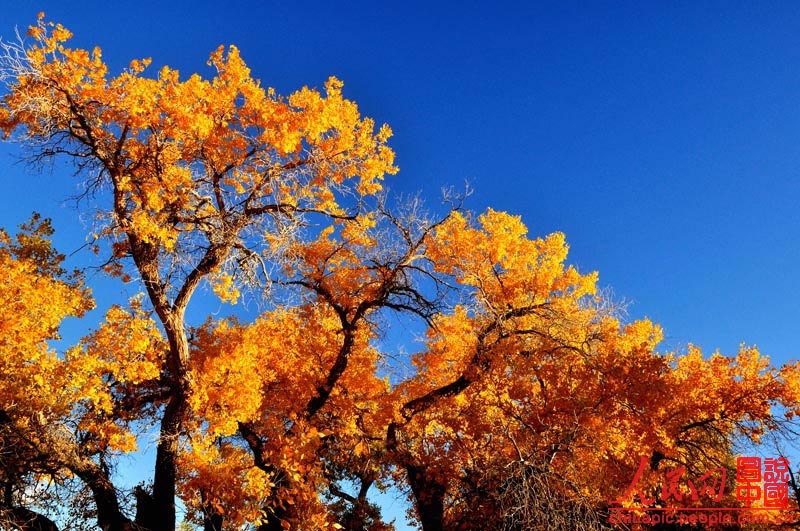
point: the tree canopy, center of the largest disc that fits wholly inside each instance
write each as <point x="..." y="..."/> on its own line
<point x="530" y="397"/>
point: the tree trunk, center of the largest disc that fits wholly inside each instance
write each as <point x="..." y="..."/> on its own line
<point x="428" y="498"/>
<point x="212" y="522"/>
<point x="159" y="514"/>
<point x="275" y="518"/>
<point x="109" y="514"/>
<point x="212" y="519"/>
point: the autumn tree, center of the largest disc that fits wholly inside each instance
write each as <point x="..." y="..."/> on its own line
<point x="528" y="383"/>
<point x="203" y="178"/>
<point x="37" y="294"/>
<point x="534" y="403"/>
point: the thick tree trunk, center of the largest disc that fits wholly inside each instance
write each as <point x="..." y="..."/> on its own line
<point x="162" y="517"/>
<point x="212" y="522"/>
<point x="274" y="522"/>
<point x="212" y="519"/>
<point x="428" y="498"/>
<point x="109" y="514"/>
<point x="276" y="516"/>
<point x="160" y="513"/>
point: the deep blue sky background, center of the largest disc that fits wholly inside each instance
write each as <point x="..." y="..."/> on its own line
<point x="662" y="138"/>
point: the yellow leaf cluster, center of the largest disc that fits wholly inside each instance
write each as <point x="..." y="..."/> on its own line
<point x="181" y="153"/>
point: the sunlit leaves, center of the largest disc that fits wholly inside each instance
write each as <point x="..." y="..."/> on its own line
<point x="523" y="365"/>
<point x="35" y="301"/>
<point x="194" y="155"/>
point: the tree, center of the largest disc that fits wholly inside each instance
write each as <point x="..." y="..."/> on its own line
<point x="35" y="390"/>
<point x="527" y="379"/>
<point x="535" y="383"/>
<point x="200" y="174"/>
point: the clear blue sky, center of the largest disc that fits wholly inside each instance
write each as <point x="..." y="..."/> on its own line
<point x="662" y="138"/>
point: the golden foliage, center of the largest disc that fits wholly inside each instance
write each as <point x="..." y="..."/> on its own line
<point x="524" y="368"/>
